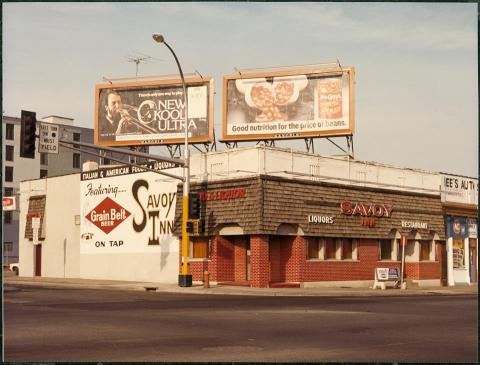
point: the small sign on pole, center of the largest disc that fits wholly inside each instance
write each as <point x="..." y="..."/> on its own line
<point x="48" y="138"/>
<point x="8" y="203"/>
<point x="35" y="228"/>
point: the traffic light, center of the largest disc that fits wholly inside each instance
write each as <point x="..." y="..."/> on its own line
<point x="28" y="129"/>
<point x="194" y="206"/>
<point x="201" y="226"/>
<point x="190" y="227"/>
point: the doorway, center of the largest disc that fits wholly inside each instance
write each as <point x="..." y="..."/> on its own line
<point x="471" y="262"/>
<point x="443" y="264"/>
<point x="38" y="259"/>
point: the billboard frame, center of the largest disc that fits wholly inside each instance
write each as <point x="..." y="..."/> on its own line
<point x="321" y="71"/>
<point x="177" y="82"/>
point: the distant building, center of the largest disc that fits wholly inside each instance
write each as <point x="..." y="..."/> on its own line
<point x="17" y="169"/>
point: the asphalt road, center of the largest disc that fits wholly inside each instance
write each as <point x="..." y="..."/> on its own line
<point x="47" y="325"/>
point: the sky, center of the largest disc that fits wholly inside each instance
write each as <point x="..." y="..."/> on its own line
<point x="416" y="91"/>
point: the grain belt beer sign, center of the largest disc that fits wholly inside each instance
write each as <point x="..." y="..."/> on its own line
<point x="289" y="105"/>
<point x="126" y="212"/>
<point x="153" y="113"/>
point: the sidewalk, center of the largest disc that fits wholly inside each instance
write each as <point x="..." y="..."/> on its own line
<point x="15" y="283"/>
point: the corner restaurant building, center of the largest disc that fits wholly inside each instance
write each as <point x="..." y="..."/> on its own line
<point x="267" y="230"/>
<point x="272" y="217"/>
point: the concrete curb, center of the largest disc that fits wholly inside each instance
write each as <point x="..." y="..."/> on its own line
<point x="14" y="282"/>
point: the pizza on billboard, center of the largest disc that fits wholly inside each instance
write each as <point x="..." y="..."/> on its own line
<point x="290" y="104"/>
<point x="153" y="112"/>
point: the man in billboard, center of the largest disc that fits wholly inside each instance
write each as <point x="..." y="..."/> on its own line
<point x="116" y="121"/>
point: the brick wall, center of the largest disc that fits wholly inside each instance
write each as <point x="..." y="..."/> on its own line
<point x="260" y="275"/>
<point x="197" y="268"/>
<point x="221" y="262"/>
<point x="225" y="256"/>
<point x="277" y="268"/>
<point x="283" y="259"/>
<point x="240" y="258"/>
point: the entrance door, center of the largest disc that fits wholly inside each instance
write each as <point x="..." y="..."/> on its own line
<point x="38" y="260"/>
<point x="248" y="259"/>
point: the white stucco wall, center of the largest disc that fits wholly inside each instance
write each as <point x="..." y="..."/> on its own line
<point x="61" y="250"/>
<point x="250" y="161"/>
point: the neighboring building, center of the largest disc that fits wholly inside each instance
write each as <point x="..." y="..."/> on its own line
<point x="17" y="169"/>
<point x="272" y="217"/>
<point x="460" y="206"/>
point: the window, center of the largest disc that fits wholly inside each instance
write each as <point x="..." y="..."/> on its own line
<point x="330" y="248"/>
<point x="200" y="248"/>
<point x="9" y="173"/>
<point x="76" y="160"/>
<point x="385" y="249"/>
<point x="313" y="248"/>
<point x="43" y="158"/>
<point x="426" y="251"/>
<point x="106" y="161"/>
<point x="9" y="132"/>
<point x="347" y="249"/>
<point x="7" y="247"/>
<point x="76" y="138"/>
<point x="8" y="217"/>
<point x="8" y="192"/>
<point x="43" y="173"/>
<point x="8" y="153"/>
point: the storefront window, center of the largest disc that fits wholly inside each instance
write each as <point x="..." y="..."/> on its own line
<point x="330" y="248"/>
<point x="347" y="249"/>
<point x="458" y="254"/>
<point x="385" y="249"/>
<point x="200" y="248"/>
<point x="313" y="248"/>
<point x="425" y="250"/>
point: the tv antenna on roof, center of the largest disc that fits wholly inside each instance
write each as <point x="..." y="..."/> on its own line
<point x="138" y="58"/>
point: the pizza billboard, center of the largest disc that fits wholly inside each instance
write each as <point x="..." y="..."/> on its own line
<point x="153" y="112"/>
<point x="289" y="104"/>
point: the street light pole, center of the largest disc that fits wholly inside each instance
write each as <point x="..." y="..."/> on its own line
<point x="184" y="278"/>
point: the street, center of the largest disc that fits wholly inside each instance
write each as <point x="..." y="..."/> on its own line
<point x="68" y="324"/>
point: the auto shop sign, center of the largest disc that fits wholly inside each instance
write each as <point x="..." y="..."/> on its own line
<point x="126" y="212"/>
<point x="459" y="189"/>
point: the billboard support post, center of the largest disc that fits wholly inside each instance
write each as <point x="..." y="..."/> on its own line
<point x="184" y="278"/>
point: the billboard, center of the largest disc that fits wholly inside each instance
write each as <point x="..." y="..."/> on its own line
<point x="125" y="210"/>
<point x="153" y="112"/>
<point x="288" y="104"/>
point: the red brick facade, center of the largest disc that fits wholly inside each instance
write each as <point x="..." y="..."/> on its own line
<point x="283" y="259"/>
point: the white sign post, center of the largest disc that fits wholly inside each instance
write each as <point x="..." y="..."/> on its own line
<point x="48" y="138"/>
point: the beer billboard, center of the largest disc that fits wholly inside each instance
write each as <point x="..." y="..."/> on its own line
<point x="153" y="112"/>
<point x="288" y="104"/>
